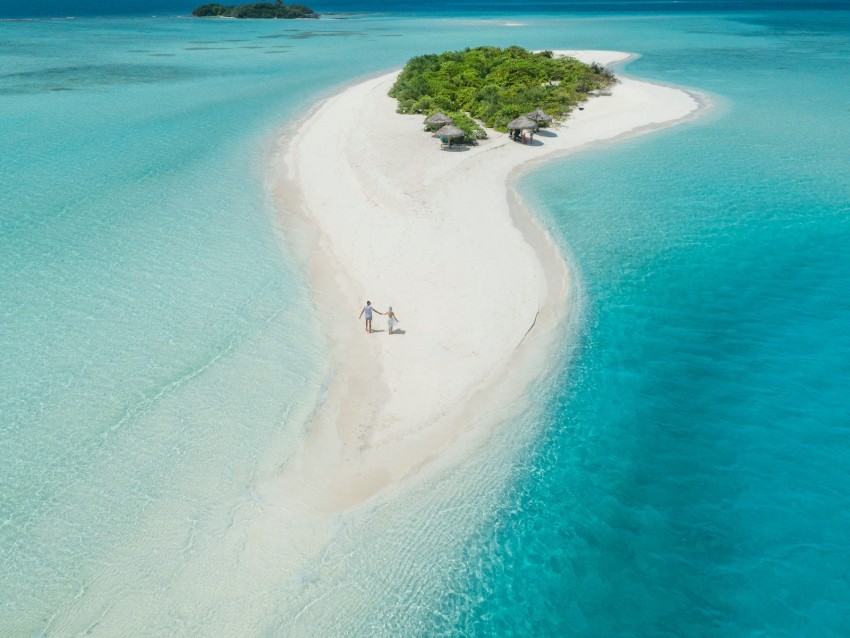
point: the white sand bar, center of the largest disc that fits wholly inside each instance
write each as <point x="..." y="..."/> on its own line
<point x="381" y="213"/>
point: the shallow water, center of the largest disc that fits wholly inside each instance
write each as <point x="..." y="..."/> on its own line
<point x="694" y="477"/>
<point x="159" y="359"/>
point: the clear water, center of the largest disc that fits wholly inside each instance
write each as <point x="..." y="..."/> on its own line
<point x="158" y="358"/>
<point x="695" y="477"/>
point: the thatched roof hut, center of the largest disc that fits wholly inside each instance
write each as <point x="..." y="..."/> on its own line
<point x="540" y="116"/>
<point x="437" y="120"/>
<point x="522" y="123"/>
<point x="449" y="131"/>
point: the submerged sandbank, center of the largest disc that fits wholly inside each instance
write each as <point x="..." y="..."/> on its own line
<point x="379" y="212"/>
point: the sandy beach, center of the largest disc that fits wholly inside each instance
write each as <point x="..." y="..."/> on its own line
<point x="617" y="398"/>
<point x="379" y="212"/>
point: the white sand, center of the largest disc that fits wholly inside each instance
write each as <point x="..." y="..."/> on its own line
<point x="381" y="213"/>
<point x="378" y="211"/>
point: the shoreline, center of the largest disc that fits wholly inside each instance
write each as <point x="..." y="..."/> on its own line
<point x="482" y="290"/>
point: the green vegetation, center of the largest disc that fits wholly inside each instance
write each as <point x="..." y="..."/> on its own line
<point x="258" y="10"/>
<point x="466" y="124"/>
<point x="495" y="85"/>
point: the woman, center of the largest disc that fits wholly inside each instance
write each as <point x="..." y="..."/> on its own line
<point x="392" y="320"/>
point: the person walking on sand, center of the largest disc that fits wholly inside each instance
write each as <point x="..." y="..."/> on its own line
<point x="392" y="320"/>
<point x="367" y="310"/>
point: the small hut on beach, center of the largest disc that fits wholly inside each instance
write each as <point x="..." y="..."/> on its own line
<point x="518" y="127"/>
<point x="540" y="116"/>
<point x="448" y="134"/>
<point x="437" y="120"/>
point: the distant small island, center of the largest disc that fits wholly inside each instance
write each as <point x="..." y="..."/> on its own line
<point x="257" y="10"/>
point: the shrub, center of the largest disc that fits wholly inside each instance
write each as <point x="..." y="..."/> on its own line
<point x="495" y="85"/>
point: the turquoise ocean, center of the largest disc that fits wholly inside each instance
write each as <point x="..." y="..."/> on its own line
<point x="688" y="472"/>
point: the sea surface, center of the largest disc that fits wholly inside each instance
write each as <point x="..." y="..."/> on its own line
<point x="685" y="470"/>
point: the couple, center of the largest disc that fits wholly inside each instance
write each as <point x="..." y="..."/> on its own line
<point x="392" y="320"/>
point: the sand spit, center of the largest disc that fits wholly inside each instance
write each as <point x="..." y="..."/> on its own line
<point x="379" y="212"/>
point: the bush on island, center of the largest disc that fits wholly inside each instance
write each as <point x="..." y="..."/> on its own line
<point x="495" y="86"/>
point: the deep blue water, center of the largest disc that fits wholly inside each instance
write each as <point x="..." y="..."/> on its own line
<point x="64" y="8"/>
<point x="695" y="480"/>
<point x="693" y="472"/>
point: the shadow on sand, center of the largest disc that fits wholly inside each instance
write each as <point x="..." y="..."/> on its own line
<point x="534" y="142"/>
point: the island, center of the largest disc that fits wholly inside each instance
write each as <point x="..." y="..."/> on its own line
<point x="493" y="86"/>
<point x="488" y="303"/>
<point x="257" y="10"/>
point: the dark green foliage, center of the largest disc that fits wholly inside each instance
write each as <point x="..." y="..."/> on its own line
<point x="258" y="10"/>
<point x="469" y="126"/>
<point x="495" y="85"/>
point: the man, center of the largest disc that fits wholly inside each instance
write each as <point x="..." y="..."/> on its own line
<point x="367" y="310"/>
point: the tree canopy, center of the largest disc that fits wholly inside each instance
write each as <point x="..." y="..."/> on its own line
<point x="258" y="10"/>
<point x="495" y="85"/>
